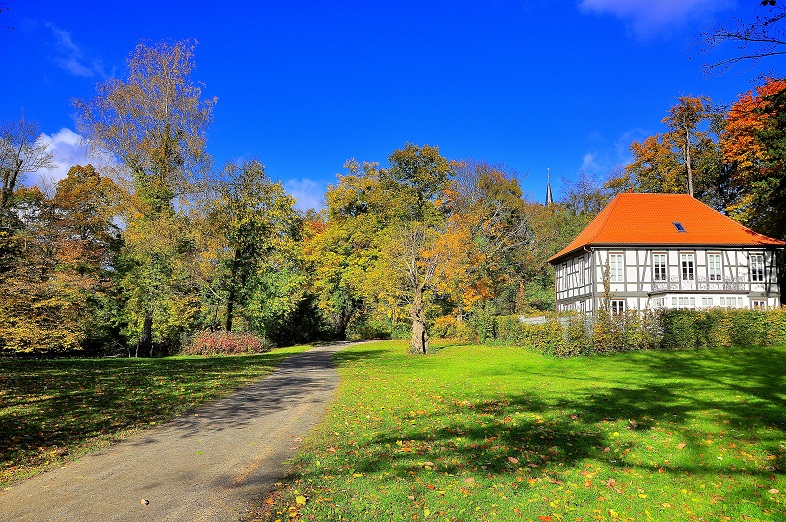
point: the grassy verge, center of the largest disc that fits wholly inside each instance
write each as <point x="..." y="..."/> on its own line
<point x="56" y="410"/>
<point x="497" y="433"/>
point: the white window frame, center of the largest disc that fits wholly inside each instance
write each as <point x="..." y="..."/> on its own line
<point x="617" y="306"/>
<point x="660" y="266"/>
<point x="758" y="304"/>
<point x="714" y="267"/>
<point x="756" y="265"/>
<point x="616" y="267"/>
<point x="687" y="266"/>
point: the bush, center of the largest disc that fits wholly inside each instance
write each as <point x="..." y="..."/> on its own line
<point x="576" y="334"/>
<point x="223" y="343"/>
<point x="448" y="327"/>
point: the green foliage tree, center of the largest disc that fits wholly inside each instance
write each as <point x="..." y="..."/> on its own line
<point x="258" y="255"/>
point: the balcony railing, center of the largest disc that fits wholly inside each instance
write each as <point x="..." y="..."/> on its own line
<point x="675" y="284"/>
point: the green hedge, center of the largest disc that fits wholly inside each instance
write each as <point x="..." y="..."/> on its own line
<point x="571" y="335"/>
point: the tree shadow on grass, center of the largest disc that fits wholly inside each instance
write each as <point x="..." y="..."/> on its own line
<point x="49" y="406"/>
<point x="497" y="444"/>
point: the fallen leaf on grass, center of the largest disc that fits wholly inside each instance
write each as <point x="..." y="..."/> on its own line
<point x="773" y="491"/>
<point x="300" y="500"/>
<point x="513" y="460"/>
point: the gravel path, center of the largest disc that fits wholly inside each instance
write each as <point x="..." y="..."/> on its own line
<point x="205" y="466"/>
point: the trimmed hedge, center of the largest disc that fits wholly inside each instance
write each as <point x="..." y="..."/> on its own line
<point x="572" y="335"/>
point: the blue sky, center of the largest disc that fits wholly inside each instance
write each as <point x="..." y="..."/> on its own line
<point x="305" y="85"/>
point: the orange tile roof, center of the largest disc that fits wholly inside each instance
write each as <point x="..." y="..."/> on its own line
<point x="648" y="219"/>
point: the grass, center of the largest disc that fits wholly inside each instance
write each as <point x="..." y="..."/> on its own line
<point x="500" y="433"/>
<point x="52" y="411"/>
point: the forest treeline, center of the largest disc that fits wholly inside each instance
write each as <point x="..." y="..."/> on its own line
<point x="138" y="253"/>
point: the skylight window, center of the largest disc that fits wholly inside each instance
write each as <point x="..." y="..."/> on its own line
<point x="679" y="226"/>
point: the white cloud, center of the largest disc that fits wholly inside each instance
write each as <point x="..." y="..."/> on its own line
<point x="309" y="193"/>
<point x="68" y="149"/>
<point x="590" y="164"/>
<point x="73" y="58"/>
<point x="655" y="15"/>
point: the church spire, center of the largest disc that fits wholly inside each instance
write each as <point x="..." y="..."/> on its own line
<point x="549" y="197"/>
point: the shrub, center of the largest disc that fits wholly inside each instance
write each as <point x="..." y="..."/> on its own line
<point x="448" y="327"/>
<point x="223" y="343"/>
<point x="577" y="334"/>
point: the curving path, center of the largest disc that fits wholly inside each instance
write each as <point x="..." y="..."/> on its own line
<point x="204" y="466"/>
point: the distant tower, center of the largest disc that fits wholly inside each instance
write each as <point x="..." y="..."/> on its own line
<point x="549" y="197"/>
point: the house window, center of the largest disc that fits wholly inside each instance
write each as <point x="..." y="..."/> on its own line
<point x="659" y="267"/>
<point x="756" y="304"/>
<point x="687" y="302"/>
<point x="674" y="302"/>
<point x="617" y="306"/>
<point x="757" y="268"/>
<point x="714" y="267"/>
<point x="706" y="301"/>
<point x="688" y="267"/>
<point x="616" y="267"/>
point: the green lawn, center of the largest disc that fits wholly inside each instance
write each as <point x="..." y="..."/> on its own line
<point x="498" y="433"/>
<point x="56" y="410"/>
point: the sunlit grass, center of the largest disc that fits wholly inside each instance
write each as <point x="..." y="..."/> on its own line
<point x="497" y="433"/>
<point x="56" y="410"/>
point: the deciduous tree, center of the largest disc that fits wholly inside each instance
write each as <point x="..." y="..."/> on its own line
<point x="22" y="150"/>
<point x="154" y="124"/>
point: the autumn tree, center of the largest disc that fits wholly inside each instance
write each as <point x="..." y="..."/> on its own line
<point x="754" y="145"/>
<point x="59" y="295"/>
<point x="342" y="247"/>
<point x="414" y="186"/>
<point x="486" y="232"/>
<point x="154" y="124"/>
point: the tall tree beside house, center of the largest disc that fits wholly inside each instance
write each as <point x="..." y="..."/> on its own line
<point x="154" y="123"/>
<point x="685" y="158"/>
<point x="486" y="233"/>
<point x="754" y="145"/>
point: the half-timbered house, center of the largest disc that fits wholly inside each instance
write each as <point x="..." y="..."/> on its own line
<point x="666" y="251"/>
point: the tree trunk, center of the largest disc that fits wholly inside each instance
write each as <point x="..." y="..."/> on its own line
<point x="419" y="344"/>
<point x="687" y="161"/>
<point x="147" y="334"/>
<point x="232" y="291"/>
